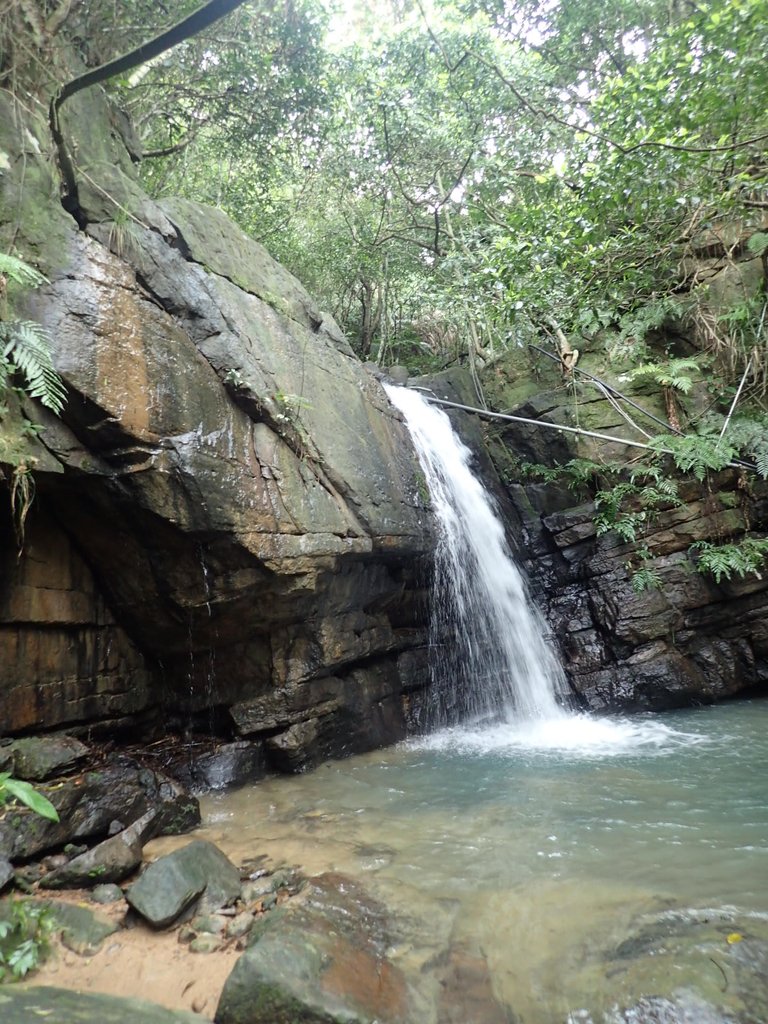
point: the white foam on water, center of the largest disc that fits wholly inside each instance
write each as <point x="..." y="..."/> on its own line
<point x="577" y="736"/>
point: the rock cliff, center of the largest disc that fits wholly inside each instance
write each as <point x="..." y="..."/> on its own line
<point x="690" y="639"/>
<point x="227" y="524"/>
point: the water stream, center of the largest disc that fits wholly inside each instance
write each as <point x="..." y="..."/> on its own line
<point x="490" y="660"/>
<point x="587" y="879"/>
<point x="590" y="863"/>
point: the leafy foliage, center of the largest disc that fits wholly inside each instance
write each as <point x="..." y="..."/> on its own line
<point x="25" y="929"/>
<point x="695" y="454"/>
<point x="744" y="558"/>
<point x="25" y="346"/>
<point x="674" y="373"/>
<point x="26" y="349"/>
<point x="17" y="789"/>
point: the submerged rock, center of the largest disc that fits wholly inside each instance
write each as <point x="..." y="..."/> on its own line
<point x="230" y="764"/>
<point x="173" y="883"/>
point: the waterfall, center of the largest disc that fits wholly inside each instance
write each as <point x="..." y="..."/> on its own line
<point x="490" y="658"/>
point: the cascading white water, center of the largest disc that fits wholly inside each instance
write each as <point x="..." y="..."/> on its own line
<point x="491" y="661"/>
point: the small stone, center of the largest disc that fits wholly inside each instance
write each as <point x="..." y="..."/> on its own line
<point x="74" y="850"/>
<point x="212" y="924"/>
<point x="205" y="944"/>
<point x="239" y="926"/>
<point x="269" y="901"/>
<point x="253" y="891"/>
<point x="107" y="893"/>
<point x="199" y="1003"/>
<point x="56" y="860"/>
<point x="186" y="934"/>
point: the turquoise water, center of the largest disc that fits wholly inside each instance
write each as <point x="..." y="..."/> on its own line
<point x="544" y="852"/>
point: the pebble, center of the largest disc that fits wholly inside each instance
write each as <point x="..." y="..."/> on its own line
<point x="211" y="924"/>
<point x="205" y="944"/>
<point x="106" y="893"/>
<point x="239" y="926"/>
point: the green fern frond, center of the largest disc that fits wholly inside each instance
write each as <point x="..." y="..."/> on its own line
<point x="761" y="459"/>
<point x="28" y="345"/>
<point x="645" y="579"/>
<point x="726" y="560"/>
<point x="693" y="454"/>
<point x="673" y="374"/>
<point x="20" y="272"/>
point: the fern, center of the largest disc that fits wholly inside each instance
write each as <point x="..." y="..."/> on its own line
<point x="726" y="560"/>
<point x="20" y="272"/>
<point x="645" y="579"/>
<point x="675" y="373"/>
<point x="693" y="454"/>
<point x="750" y="437"/>
<point x="26" y="346"/>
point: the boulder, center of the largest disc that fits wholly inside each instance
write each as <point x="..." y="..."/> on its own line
<point x="230" y="764"/>
<point x="82" y="930"/>
<point x="39" y="757"/>
<point x="323" y="960"/>
<point x="197" y="872"/>
<point x="90" y="805"/>
<point x="109" y="861"/>
<point x="20" y="1006"/>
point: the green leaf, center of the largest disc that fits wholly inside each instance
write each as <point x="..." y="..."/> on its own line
<point x="28" y="795"/>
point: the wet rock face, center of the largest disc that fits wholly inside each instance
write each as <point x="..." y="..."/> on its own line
<point x="689" y="641"/>
<point x="229" y="513"/>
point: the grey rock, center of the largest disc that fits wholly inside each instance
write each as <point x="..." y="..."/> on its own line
<point x="6" y="872"/>
<point x="172" y="883"/>
<point x="39" y="757"/>
<point x="325" y="962"/>
<point x="210" y="923"/>
<point x="206" y="943"/>
<point x="82" y="930"/>
<point x="109" y="861"/>
<point x="87" y="807"/>
<point x="231" y="764"/>
<point x="62" y="1006"/>
<point x="106" y="893"/>
<point x="239" y="926"/>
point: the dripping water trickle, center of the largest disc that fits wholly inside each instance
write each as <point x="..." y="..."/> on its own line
<point x="490" y="661"/>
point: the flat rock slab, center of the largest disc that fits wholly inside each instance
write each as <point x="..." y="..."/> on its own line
<point x="172" y="883"/>
<point x="82" y="930"/>
<point x="39" y="757"/>
<point x="60" y="1006"/>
